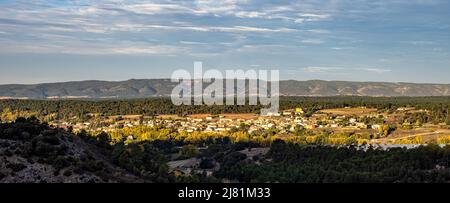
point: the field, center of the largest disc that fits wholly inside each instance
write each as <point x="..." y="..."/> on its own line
<point x="426" y="133"/>
<point x="169" y="116"/>
<point x="359" y="111"/>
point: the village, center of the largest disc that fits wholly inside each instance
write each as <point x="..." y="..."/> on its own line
<point x="371" y="124"/>
<point x="285" y="122"/>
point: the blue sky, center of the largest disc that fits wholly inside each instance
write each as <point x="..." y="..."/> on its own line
<point x="355" y="40"/>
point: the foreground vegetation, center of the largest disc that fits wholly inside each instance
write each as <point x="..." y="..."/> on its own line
<point x="26" y="143"/>
<point x="306" y="164"/>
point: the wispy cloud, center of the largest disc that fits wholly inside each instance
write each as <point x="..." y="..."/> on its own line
<point x="314" y="17"/>
<point x="192" y="43"/>
<point x="312" y="41"/>
<point x="329" y="37"/>
<point x="324" y="69"/>
<point x="128" y="24"/>
<point x="97" y="49"/>
<point x="318" y="69"/>
<point x="157" y="27"/>
<point x="374" y="70"/>
<point x="233" y="29"/>
<point x="418" y="43"/>
<point x="319" y="31"/>
<point x="250" y="14"/>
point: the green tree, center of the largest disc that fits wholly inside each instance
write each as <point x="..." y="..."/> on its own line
<point x="188" y="151"/>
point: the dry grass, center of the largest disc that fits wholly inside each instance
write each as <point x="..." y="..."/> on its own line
<point x="241" y="116"/>
<point x="350" y="111"/>
<point x="199" y="116"/>
<point x="427" y="134"/>
<point x="168" y="116"/>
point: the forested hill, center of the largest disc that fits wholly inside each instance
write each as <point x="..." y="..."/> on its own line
<point x="163" y="87"/>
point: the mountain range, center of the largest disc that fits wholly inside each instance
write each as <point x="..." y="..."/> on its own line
<point x="143" y="88"/>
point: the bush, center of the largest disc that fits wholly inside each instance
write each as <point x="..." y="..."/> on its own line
<point x="49" y="137"/>
<point x="207" y="163"/>
<point x="16" y="167"/>
<point x="61" y="162"/>
<point x="67" y="173"/>
<point x="189" y="151"/>
<point x="233" y="158"/>
<point x="93" y="166"/>
<point x="2" y="175"/>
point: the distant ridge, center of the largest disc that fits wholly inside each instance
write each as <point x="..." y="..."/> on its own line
<point x="143" y="88"/>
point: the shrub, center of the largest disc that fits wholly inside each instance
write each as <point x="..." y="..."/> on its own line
<point x="2" y="175"/>
<point x="207" y="163"/>
<point x="67" y="173"/>
<point x="233" y="158"/>
<point x="189" y="151"/>
<point x="16" y="167"/>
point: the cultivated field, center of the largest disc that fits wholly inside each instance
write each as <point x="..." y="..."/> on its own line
<point x="350" y="111"/>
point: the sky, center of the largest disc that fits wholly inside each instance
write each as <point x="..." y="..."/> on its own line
<point x="351" y="40"/>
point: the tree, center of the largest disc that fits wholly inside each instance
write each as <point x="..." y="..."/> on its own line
<point x="386" y="130"/>
<point x="188" y="151"/>
<point x="207" y="163"/>
<point x="103" y="140"/>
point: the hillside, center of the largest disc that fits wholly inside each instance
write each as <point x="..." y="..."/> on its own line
<point x="163" y="87"/>
<point x="31" y="152"/>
